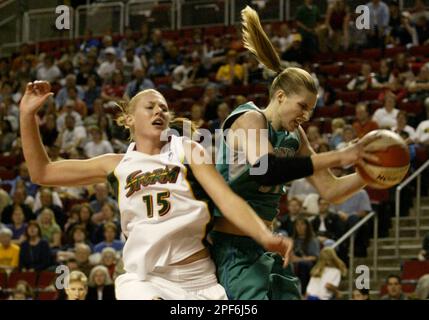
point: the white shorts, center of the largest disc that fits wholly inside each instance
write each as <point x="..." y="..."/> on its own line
<point x="193" y="281"/>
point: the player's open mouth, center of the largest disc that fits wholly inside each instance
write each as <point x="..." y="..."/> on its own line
<point x="158" y="122"/>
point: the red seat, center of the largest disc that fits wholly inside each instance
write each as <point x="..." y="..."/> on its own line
<point x="186" y="104"/>
<point x="352" y="68"/>
<point x="414" y="269"/>
<point x="49" y="295"/>
<point x="46" y="278"/>
<point x="29" y="277"/>
<point x="170" y="94"/>
<point x="349" y="110"/>
<point x="239" y="90"/>
<point x="258" y="88"/>
<point x="158" y="81"/>
<point x="419" y="51"/>
<point x="348" y="96"/>
<point x="214" y="31"/>
<point x="6" y="174"/>
<point x="193" y="93"/>
<point x="327" y="112"/>
<point x="372" y="54"/>
<point x="369" y="95"/>
<point x="338" y="83"/>
<point x="391" y="52"/>
<point x="330" y="69"/>
<point x="9" y="161"/>
<point x="421" y="155"/>
<point x="411" y="107"/>
<point x="3" y="279"/>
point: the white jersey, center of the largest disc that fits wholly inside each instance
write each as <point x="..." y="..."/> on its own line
<point x="162" y="220"/>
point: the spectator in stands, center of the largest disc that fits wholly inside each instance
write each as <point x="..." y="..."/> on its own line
<point x="307" y="17"/>
<point x="348" y="136"/>
<point x="173" y="57"/>
<point x="422" y="288"/>
<point x="210" y="101"/>
<point x="363" y="81"/>
<point x="87" y="70"/>
<point x="422" y="29"/>
<point x="199" y="75"/>
<point x="402" y="69"/>
<point x="62" y="95"/>
<point x="384" y="79"/>
<point x="379" y="11"/>
<point x="401" y="125"/>
<point x="23" y="287"/>
<point x="300" y="188"/>
<point x="336" y="137"/>
<point x="231" y="73"/>
<point x="419" y="10"/>
<point x="363" y="123"/>
<point x="50" y="200"/>
<point x="77" y="288"/>
<point x="110" y="231"/>
<point x="9" y="252"/>
<point x="422" y="133"/>
<point x="100" y="285"/>
<point x="108" y="214"/>
<point x="88" y="41"/>
<point x="336" y="26"/>
<point x="404" y="32"/>
<point x="97" y="146"/>
<point x="155" y="44"/>
<point x="107" y="67"/>
<point x="314" y="137"/>
<point x="72" y="136"/>
<point x="7" y="135"/>
<point x="283" y="37"/>
<point x="48" y="131"/>
<point x="92" y="92"/>
<point x="351" y="212"/>
<point x="18" y="200"/>
<point x="360" y="294"/>
<point x="35" y="254"/>
<point x="85" y="219"/>
<point x="109" y="259"/>
<point x="386" y="117"/>
<point x="18" y="225"/>
<point x="327" y="224"/>
<point x="48" y="70"/>
<point x="114" y="88"/>
<point x="223" y="112"/>
<point x="306" y="250"/>
<point x="24" y="54"/>
<point x="424" y="252"/>
<point x="157" y="67"/>
<point x="82" y="252"/>
<point x="215" y="55"/>
<point x="253" y="72"/>
<point x="419" y="87"/>
<point x="197" y="113"/>
<point x="101" y="197"/>
<point x="78" y="104"/>
<point x="49" y="227"/>
<point x="296" y="53"/>
<point x="326" y="276"/>
<point x="140" y="83"/>
<point x="286" y="221"/>
<point x="132" y="63"/>
<point x="394" y="289"/>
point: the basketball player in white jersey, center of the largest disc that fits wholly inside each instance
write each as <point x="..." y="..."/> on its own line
<point x="162" y="216"/>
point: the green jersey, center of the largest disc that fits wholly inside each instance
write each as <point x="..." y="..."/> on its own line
<point x="263" y="199"/>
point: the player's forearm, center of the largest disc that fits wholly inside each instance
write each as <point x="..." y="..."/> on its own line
<point x="34" y="151"/>
<point x="239" y="213"/>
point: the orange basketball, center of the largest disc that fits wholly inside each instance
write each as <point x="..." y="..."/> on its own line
<point x="394" y="157"/>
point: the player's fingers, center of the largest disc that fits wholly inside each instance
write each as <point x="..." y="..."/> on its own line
<point x="289" y="247"/>
<point x="371" y="157"/>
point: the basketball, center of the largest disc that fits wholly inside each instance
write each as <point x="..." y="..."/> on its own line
<point x="394" y="157"/>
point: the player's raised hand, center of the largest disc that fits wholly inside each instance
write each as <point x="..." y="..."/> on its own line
<point x="281" y="245"/>
<point x="35" y="96"/>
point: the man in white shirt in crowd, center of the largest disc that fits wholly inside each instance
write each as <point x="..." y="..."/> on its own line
<point x="386" y="117"/>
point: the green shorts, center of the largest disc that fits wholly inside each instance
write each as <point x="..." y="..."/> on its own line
<point x="248" y="272"/>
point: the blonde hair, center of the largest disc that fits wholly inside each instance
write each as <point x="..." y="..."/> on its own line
<point x="328" y="258"/>
<point x="108" y="279"/>
<point x="290" y="80"/>
<point x="338" y="123"/>
<point x="127" y="108"/>
<point x="78" y="276"/>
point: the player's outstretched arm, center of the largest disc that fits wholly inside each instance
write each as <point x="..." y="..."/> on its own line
<point x="42" y="170"/>
<point x="234" y="208"/>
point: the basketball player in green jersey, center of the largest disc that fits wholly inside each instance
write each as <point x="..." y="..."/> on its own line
<point x="272" y="136"/>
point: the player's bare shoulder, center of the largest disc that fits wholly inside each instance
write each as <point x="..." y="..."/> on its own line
<point x="250" y="120"/>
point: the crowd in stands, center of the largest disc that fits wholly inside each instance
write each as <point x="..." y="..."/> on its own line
<point x="367" y="79"/>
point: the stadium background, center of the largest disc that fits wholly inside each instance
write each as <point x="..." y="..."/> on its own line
<point x="170" y="39"/>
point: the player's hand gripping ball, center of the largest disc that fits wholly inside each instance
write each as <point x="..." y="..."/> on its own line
<point x="394" y="157"/>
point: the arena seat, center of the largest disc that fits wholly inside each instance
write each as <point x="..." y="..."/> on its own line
<point x="193" y="93"/>
<point x="45" y="279"/>
<point x="369" y="95"/>
<point x="411" y="107"/>
<point x="348" y="96"/>
<point x="372" y="54"/>
<point x="332" y="70"/>
<point x="29" y="277"/>
<point x="414" y="269"/>
<point x="419" y="51"/>
<point x="47" y="295"/>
